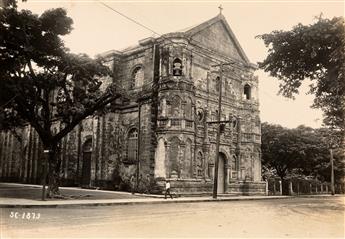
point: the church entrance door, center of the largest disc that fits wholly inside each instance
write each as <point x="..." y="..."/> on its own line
<point x="221" y="174"/>
<point x="86" y="170"/>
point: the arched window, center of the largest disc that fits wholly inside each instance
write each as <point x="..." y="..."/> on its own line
<point x="137" y="79"/>
<point x="247" y="91"/>
<point x="132" y="145"/>
<point x="177" y="67"/>
<point x="175" y="106"/>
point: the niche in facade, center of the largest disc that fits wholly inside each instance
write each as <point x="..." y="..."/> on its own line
<point x="200" y="115"/>
<point x="247" y="91"/>
<point x="217" y="84"/>
<point x="137" y="77"/>
<point x="199" y="164"/>
<point x="177" y="67"/>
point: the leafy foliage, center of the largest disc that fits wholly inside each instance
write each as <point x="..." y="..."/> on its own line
<point x="42" y="83"/>
<point x="317" y="52"/>
<point x="301" y="151"/>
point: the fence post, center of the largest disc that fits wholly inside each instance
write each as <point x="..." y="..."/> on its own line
<point x="297" y="187"/>
<point x="274" y="187"/>
<point x="316" y="190"/>
<point x="326" y="188"/>
<point x="280" y="188"/>
<point x="266" y="187"/>
<point x="290" y="188"/>
<point x="321" y="188"/>
<point x="310" y="188"/>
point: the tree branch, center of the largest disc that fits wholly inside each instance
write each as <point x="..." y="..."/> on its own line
<point x="102" y="102"/>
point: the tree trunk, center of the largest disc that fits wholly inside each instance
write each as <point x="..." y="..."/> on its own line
<point x="53" y="173"/>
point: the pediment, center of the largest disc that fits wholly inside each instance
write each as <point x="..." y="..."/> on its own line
<point x="216" y="35"/>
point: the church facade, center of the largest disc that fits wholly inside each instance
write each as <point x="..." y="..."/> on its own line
<point x="163" y="129"/>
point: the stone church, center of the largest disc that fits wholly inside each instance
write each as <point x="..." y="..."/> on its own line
<point x="162" y="129"/>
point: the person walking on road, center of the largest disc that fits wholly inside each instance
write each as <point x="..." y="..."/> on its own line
<point x="167" y="189"/>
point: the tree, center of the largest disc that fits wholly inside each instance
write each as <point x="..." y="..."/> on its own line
<point x="316" y="52"/>
<point x="45" y="85"/>
<point x="331" y="140"/>
<point x="301" y="151"/>
<point x="280" y="149"/>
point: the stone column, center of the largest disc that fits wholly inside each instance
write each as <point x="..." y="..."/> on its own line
<point x="326" y="188"/>
<point x="211" y="168"/>
<point x="260" y="166"/>
<point x="252" y="167"/>
<point x="167" y="169"/>
<point x="181" y="159"/>
<point x="163" y="107"/>
<point x="206" y="148"/>
<point x="239" y="168"/>
<point x="228" y="175"/>
<point x="280" y="188"/>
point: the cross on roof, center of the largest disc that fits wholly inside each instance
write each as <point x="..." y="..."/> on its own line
<point x="220" y="9"/>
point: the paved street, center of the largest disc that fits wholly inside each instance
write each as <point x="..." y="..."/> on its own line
<point x="289" y="218"/>
<point x="34" y="192"/>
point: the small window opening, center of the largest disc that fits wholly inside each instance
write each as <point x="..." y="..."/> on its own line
<point x="247" y="91"/>
<point x="177" y="67"/>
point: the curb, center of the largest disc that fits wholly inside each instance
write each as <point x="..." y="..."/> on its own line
<point x="119" y="203"/>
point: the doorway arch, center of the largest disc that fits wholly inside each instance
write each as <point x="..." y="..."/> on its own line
<point x="86" y="169"/>
<point x="221" y="173"/>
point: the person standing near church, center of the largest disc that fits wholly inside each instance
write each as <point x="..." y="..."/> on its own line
<point x="167" y="189"/>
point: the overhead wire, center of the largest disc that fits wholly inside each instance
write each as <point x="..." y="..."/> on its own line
<point x="215" y="60"/>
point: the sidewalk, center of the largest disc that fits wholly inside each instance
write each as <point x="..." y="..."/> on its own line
<point x="28" y="196"/>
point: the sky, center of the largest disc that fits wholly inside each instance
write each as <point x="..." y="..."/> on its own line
<point x="98" y="29"/>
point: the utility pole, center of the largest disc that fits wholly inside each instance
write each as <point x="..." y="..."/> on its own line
<point x="215" y="180"/>
<point x="45" y="169"/>
<point x="332" y="170"/>
<point x="218" y="122"/>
